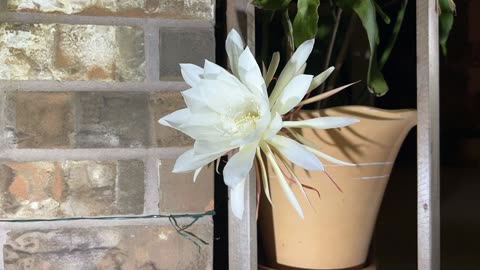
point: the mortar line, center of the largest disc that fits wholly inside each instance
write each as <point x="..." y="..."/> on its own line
<point x="30" y="155"/>
<point x="152" y="187"/>
<point x="45" y="18"/>
<point x="79" y="86"/>
<point x="152" y="51"/>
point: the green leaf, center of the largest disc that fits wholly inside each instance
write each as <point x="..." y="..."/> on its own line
<point x="306" y="20"/>
<point x="365" y="10"/>
<point x="271" y="4"/>
<point x="447" y="8"/>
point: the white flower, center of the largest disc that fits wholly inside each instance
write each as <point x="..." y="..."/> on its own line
<point x="227" y="112"/>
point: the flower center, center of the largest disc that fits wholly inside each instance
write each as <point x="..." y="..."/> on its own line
<point x="247" y="120"/>
<point x="242" y="121"/>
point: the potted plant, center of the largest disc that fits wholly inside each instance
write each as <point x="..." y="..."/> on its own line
<point x="323" y="171"/>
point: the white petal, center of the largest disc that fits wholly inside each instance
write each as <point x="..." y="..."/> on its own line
<point x="213" y="71"/>
<point x="234" y="47"/>
<point x="301" y="70"/>
<point x="176" y="118"/>
<point x="325" y="122"/>
<point x="328" y="158"/>
<point x="195" y="101"/>
<point x="197" y="172"/>
<point x="296" y="153"/>
<point x="237" y="199"/>
<point x="282" y="181"/>
<point x="250" y="74"/>
<point x="198" y="126"/>
<point x="215" y="144"/>
<point x="239" y="166"/>
<point x="219" y="95"/>
<point x="291" y="68"/>
<point x="301" y="54"/>
<point x="292" y="94"/>
<point x="320" y="78"/>
<point x="189" y="161"/>
<point x="272" y="68"/>
<point x="275" y="126"/>
<point x="191" y="73"/>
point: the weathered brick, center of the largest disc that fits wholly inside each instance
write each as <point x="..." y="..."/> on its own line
<point x="71" y="52"/>
<point x="70" y="188"/>
<point x="193" y="9"/>
<point x="120" y="247"/>
<point x="43" y="120"/>
<point x="179" y="194"/>
<point x="112" y="119"/>
<point x="162" y="104"/>
<point x="180" y="45"/>
<point x="131" y="188"/>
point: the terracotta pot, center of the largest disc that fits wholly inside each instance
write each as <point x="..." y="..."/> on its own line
<point x="337" y="230"/>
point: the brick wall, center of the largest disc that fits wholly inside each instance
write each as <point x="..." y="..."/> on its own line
<point x="82" y="86"/>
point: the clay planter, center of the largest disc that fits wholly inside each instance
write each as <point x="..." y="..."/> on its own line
<point x="336" y="232"/>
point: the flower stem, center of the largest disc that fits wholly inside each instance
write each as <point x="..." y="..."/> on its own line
<point x="338" y="18"/>
<point x="393" y="39"/>
<point x="288" y="29"/>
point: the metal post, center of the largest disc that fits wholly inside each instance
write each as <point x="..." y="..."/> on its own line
<point x="428" y="227"/>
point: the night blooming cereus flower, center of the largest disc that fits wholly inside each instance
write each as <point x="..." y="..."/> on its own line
<point x="228" y="111"/>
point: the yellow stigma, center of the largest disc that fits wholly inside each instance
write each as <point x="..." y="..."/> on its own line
<point x="245" y="120"/>
<point x="241" y="119"/>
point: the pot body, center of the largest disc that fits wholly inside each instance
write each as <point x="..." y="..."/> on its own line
<point x="339" y="223"/>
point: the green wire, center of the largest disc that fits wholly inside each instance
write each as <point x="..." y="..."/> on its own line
<point x="182" y="230"/>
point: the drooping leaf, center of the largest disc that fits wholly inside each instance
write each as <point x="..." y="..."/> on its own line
<point x="365" y="10"/>
<point x="271" y="4"/>
<point x="447" y="9"/>
<point x="306" y="20"/>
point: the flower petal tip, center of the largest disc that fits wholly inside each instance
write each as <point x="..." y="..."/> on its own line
<point x="164" y="122"/>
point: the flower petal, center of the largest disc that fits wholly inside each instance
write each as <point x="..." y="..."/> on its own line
<point x="234" y="47"/>
<point x="291" y="68"/>
<point x="301" y="54"/>
<point x="189" y="161"/>
<point x="282" y="181"/>
<point x="274" y="127"/>
<point x="212" y="71"/>
<point x="217" y="96"/>
<point x="325" y="122"/>
<point x="272" y="68"/>
<point x="197" y="172"/>
<point x="320" y="78"/>
<point x="237" y="199"/>
<point x="191" y="73"/>
<point x="176" y="118"/>
<point x="296" y="153"/>
<point x="264" y="176"/>
<point x="292" y="94"/>
<point x="205" y="146"/>
<point x="250" y="74"/>
<point x="239" y="166"/>
<point x="329" y="158"/>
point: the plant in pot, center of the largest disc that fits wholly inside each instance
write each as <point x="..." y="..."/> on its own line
<point x="324" y="171"/>
<point x="339" y="222"/>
